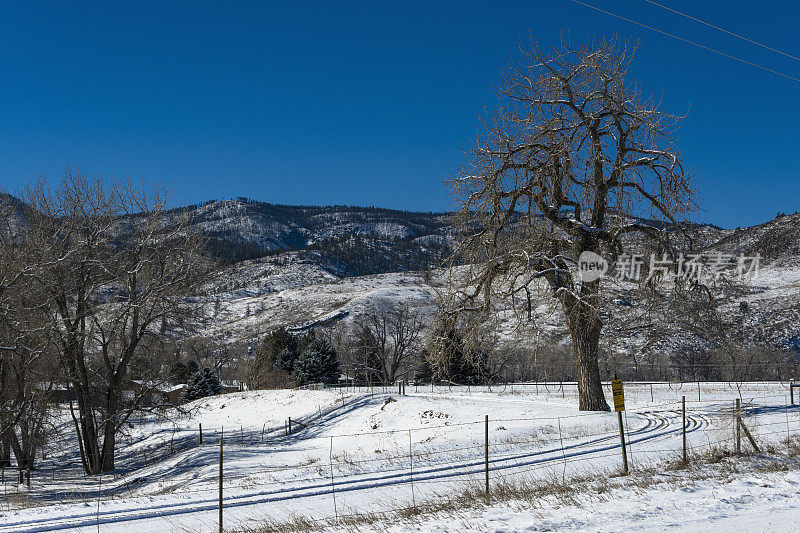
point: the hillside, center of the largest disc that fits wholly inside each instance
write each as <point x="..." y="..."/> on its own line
<point x="294" y="289"/>
<point x="348" y="240"/>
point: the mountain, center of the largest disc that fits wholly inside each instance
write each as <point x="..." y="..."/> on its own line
<point x="347" y="240"/>
<point x="754" y="322"/>
<point x="274" y="227"/>
<point x="306" y="266"/>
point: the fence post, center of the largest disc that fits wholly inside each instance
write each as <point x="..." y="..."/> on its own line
<point x="738" y="429"/>
<point x="201" y="434"/>
<point x="791" y="390"/>
<point x="221" y="435"/>
<point x="486" y="455"/>
<point x="333" y="488"/>
<point x="290" y="425"/>
<point x="99" y="493"/>
<point x="411" y="475"/>
<point x="622" y="441"/>
<point x="683" y="409"/>
<point x="788" y="435"/>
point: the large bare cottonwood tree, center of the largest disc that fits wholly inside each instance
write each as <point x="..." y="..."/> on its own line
<point x="114" y="266"/>
<point x="572" y="153"/>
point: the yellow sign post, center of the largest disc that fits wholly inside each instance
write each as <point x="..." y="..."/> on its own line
<point x="619" y="406"/>
<point x="619" y="396"/>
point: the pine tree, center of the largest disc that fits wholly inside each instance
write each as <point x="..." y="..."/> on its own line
<point x="424" y="373"/>
<point x="279" y="350"/>
<point x="201" y="384"/>
<point x="368" y="367"/>
<point x="318" y="363"/>
<point x="452" y="360"/>
<point x="286" y="360"/>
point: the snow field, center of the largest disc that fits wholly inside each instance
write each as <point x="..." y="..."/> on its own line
<point x="366" y="450"/>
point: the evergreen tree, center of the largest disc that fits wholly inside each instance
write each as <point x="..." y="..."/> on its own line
<point x="178" y="373"/>
<point x="192" y="368"/>
<point x="424" y="373"/>
<point x="317" y="363"/>
<point x="201" y="384"/>
<point x="368" y="364"/>
<point x="279" y="351"/>
<point x="286" y="360"/>
<point x="451" y="360"/>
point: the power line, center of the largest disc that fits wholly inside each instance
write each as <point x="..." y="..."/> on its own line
<point x="687" y="41"/>
<point x="681" y="13"/>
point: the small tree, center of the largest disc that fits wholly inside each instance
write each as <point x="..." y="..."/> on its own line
<point x="203" y="383"/>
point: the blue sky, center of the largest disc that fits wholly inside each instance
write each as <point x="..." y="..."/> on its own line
<point x="365" y="103"/>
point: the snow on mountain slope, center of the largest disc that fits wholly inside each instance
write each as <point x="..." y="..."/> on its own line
<point x="304" y="293"/>
<point x="776" y="240"/>
<point x="280" y="227"/>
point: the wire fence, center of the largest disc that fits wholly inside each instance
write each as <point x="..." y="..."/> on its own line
<point x="415" y="464"/>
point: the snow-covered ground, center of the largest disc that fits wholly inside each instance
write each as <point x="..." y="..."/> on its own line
<point x="707" y="499"/>
<point x="374" y="450"/>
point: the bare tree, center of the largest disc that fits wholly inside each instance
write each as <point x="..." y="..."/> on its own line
<point x="387" y="341"/>
<point x="26" y="374"/>
<point x="571" y="154"/>
<point x="114" y="264"/>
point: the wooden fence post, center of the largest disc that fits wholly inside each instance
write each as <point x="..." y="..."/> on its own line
<point x="201" y="434"/>
<point x="741" y="424"/>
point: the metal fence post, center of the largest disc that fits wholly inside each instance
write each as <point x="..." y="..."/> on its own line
<point x="622" y="441"/>
<point x="486" y="455"/>
<point x="738" y="429"/>
<point x="220" y="481"/>
<point x="683" y="409"/>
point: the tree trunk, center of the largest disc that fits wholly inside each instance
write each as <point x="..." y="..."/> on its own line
<point x="88" y="435"/>
<point x="110" y="426"/>
<point x="5" y="451"/>
<point x="109" y="443"/>
<point x="584" y="328"/>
